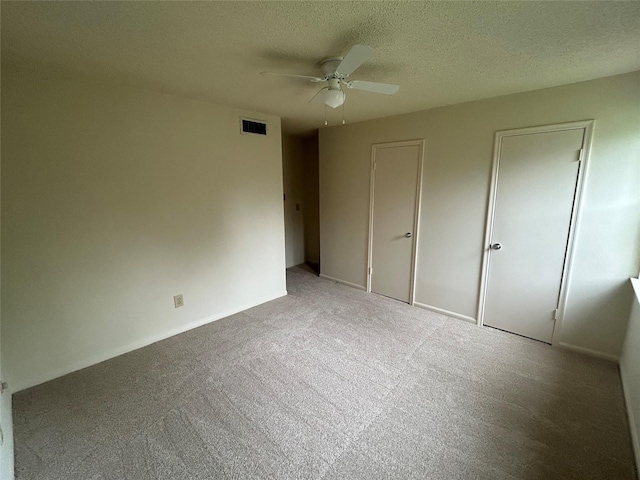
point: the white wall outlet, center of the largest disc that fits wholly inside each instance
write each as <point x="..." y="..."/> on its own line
<point x="178" y="301"/>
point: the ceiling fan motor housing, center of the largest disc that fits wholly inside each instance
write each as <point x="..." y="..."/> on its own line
<point x="329" y="66"/>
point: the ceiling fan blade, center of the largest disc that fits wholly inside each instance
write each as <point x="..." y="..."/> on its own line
<point x="307" y="77"/>
<point x="352" y="60"/>
<point x="386" y="88"/>
<point x="330" y="97"/>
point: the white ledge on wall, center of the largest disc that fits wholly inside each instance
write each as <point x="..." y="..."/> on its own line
<point x="635" y="283"/>
<point x="630" y="371"/>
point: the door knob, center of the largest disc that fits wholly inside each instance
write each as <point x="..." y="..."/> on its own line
<point x="408" y="234"/>
<point x="496" y="246"/>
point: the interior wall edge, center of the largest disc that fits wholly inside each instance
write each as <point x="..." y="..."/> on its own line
<point x="6" y="460"/>
<point x="630" y="371"/>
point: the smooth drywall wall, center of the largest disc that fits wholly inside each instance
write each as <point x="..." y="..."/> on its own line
<point x="630" y="370"/>
<point x="457" y="168"/>
<point x="292" y="172"/>
<point x="115" y="200"/>
<point x="311" y="200"/>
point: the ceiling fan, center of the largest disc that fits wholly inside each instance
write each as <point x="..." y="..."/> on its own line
<point x="336" y="70"/>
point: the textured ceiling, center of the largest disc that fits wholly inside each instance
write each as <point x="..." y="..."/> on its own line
<point x="440" y="53"/>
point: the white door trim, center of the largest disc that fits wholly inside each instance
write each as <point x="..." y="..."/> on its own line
<point x="416" y="221"/>
<point x="588" y="126"/>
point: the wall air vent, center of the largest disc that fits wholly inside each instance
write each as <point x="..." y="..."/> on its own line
<point x="254" y="127"/>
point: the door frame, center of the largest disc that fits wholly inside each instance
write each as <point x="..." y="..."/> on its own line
<point x="584" y="155"/>
<point x="416" y="221"/>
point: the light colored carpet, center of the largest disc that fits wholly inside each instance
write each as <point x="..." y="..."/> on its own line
<point x="330" y="382"/>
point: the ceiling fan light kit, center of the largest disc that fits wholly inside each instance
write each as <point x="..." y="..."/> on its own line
<point x="331" y="97"/>
<point x="336" y="70"/>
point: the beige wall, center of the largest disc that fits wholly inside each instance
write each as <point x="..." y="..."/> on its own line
<point x="115" y="200"/>
<point x="293" y="177"/>
<point x="630" y="370"/>
<point x="458" y="156"/>
<point x="311" y="200"/>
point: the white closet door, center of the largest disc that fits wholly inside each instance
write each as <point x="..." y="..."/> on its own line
<point x="394" y="211"/>
<point x="536" y="186"/>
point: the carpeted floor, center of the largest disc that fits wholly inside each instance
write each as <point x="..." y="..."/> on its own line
<point x="330" y="382"/>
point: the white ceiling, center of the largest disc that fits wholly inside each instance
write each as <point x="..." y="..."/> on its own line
<point x="440" y="53"/>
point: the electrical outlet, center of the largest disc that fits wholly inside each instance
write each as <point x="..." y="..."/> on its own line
<point x="178" y="301"/>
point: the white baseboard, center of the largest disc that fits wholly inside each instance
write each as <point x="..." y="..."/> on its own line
<point x="635" y="435"/>
<point x="458" y="316"/>
<point x="590" y="352"/>
<point x="344" y="282"/>
<point x="16" y="386"/>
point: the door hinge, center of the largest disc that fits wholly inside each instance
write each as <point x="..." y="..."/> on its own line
<point x="374" y="165"/>
<point x="370" y="270"/>
<point x="555" y="314"/>
<point x="581" y="154"/>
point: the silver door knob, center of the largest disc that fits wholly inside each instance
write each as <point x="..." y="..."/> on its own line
<point x="408" y="234"/>
<point x="496" y="246"/>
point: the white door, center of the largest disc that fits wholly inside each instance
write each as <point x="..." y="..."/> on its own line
<point x="396" y="182"/>
<point x="535" y="187"/>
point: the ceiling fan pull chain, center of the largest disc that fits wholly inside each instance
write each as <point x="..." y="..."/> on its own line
<point x="325" y="115"/>
<point x="343" y="121"/>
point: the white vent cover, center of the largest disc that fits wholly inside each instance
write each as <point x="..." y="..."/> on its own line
<point x="253" y="127"/>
